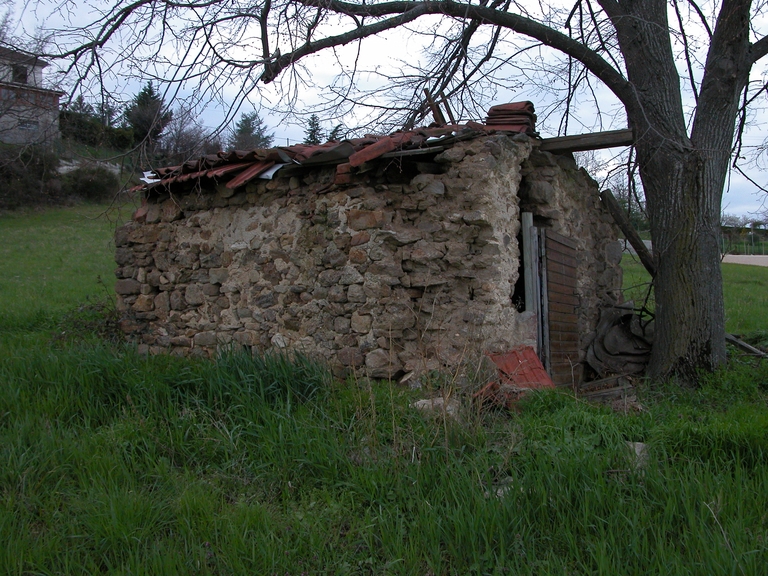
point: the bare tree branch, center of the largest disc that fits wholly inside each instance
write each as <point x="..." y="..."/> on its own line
<point x="687" y="51"/>
<point x="611" y="77"/>
<point x="759" y="49"/>
<point x="273" y="68"/>
<point x="702" y="18"/>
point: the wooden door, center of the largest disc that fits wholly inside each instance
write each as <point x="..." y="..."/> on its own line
<point x="559" y="308"/>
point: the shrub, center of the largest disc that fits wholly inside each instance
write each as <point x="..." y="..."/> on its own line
<point x="94" y="319"/>
<point x="90" y="182"/>
<point x="91" y="131"/>
<point x="28" y="175"/>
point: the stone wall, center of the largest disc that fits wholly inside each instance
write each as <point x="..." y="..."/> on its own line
<point x="409" y="268"/>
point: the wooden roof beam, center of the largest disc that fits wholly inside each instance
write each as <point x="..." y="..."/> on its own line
<point x="592" y="141"/>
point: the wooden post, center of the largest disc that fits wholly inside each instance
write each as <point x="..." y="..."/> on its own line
<point x="526" y="221"/>
<point x="593" y="141"/>
<point x="744" y="346"/>
<point x="439" y="118"/>
<point x="545" y="356"/>
<point x="609" y="201"/>
<point x="444" y="101"/>
<point x="531" y="278"/>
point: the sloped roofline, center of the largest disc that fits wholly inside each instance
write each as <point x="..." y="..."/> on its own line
<point x="21" y="57"/>
<point x="238" y="167"/>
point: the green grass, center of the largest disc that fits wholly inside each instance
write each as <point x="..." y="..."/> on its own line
<point x="112" y="462"/>
<point x="51" y="260"/>
<point x="637" y="281"/>
<point x="746" y="298"/>
<point x="124" y="464"/>
<point x="745" y="293"/>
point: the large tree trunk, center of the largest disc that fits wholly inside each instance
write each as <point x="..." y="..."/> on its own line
<point x="684" y="209"/>
<point x="683" y="176"/>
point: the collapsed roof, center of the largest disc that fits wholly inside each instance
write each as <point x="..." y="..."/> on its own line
<point x="238" y="167"/>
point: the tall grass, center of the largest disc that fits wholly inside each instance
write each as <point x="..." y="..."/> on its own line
<point x="122" y="463"/>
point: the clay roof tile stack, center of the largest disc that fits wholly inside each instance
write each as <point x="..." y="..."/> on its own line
<point x="514" y="117"/>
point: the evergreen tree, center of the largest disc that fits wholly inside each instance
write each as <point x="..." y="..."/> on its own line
<point x="314" y="132"/>
<point x="83" y="122"/>
<point x="81" y="107"/>
<point x="147" y="115"/>
<point x="250" y="133"/>
<point x="77" y="121"/>
<point x="107" y="113"/>
<point x="336" y="133"/>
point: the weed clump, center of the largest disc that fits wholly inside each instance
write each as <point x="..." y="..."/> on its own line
<point x="95" y="319"/>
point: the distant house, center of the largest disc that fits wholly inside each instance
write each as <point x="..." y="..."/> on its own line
<point x="29" y="113"/>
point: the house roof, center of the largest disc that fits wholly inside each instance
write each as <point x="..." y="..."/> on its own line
<point x="21" y="57"/>
<point x="28" y="88"/>
<point x="238" y="167"/>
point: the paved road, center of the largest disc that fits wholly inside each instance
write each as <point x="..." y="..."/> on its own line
<point x="728" y="258"/>
<point x="751" y="260"/>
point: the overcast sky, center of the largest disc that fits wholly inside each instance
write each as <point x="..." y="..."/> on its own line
<point x="387" y="55"/>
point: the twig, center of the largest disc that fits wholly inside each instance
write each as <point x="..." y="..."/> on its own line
<point x="744" y="346"/>
<point x="725" y="537"/>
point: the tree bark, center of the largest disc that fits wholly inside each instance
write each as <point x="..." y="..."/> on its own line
<point x="683" y="176"/>
<point x="684" y="210"/>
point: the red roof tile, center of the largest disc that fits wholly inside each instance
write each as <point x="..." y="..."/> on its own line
<point x="519" y="371"/>
<point x="227" y="169"/>
<point x="386" y="144"/>
<point x="249" y="174"/>
<point x="352" y="153"/>
<point x="512" y="107"/>
<point x="522" y="368"/>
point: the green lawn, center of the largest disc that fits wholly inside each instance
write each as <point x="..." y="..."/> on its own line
<point x="51" y="260"/>
<point x="745" y="292"/>
<point x="115" y="463"/>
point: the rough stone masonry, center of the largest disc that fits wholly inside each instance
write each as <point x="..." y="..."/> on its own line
<point x="409" y="267"/>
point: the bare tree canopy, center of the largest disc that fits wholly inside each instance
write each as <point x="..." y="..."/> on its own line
<point x="680" y="69"/>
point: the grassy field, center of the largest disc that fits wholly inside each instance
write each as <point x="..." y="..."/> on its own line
<point x="121" y="464"/>
<point x="745" y="292"/>
<point x="51" y="260"/>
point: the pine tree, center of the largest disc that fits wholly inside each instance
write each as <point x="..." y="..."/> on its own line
<point x="314" y="132"/>
<point x="78" y="122"/>
<point x="107" y="113"/>
<point x="147" y="115"/>
<point x="250" y="133"/>
<point x="336" y="133"/>
<point x="80" y="106"/>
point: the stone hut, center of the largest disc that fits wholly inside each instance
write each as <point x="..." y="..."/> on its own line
<point x="387" y="256"/>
